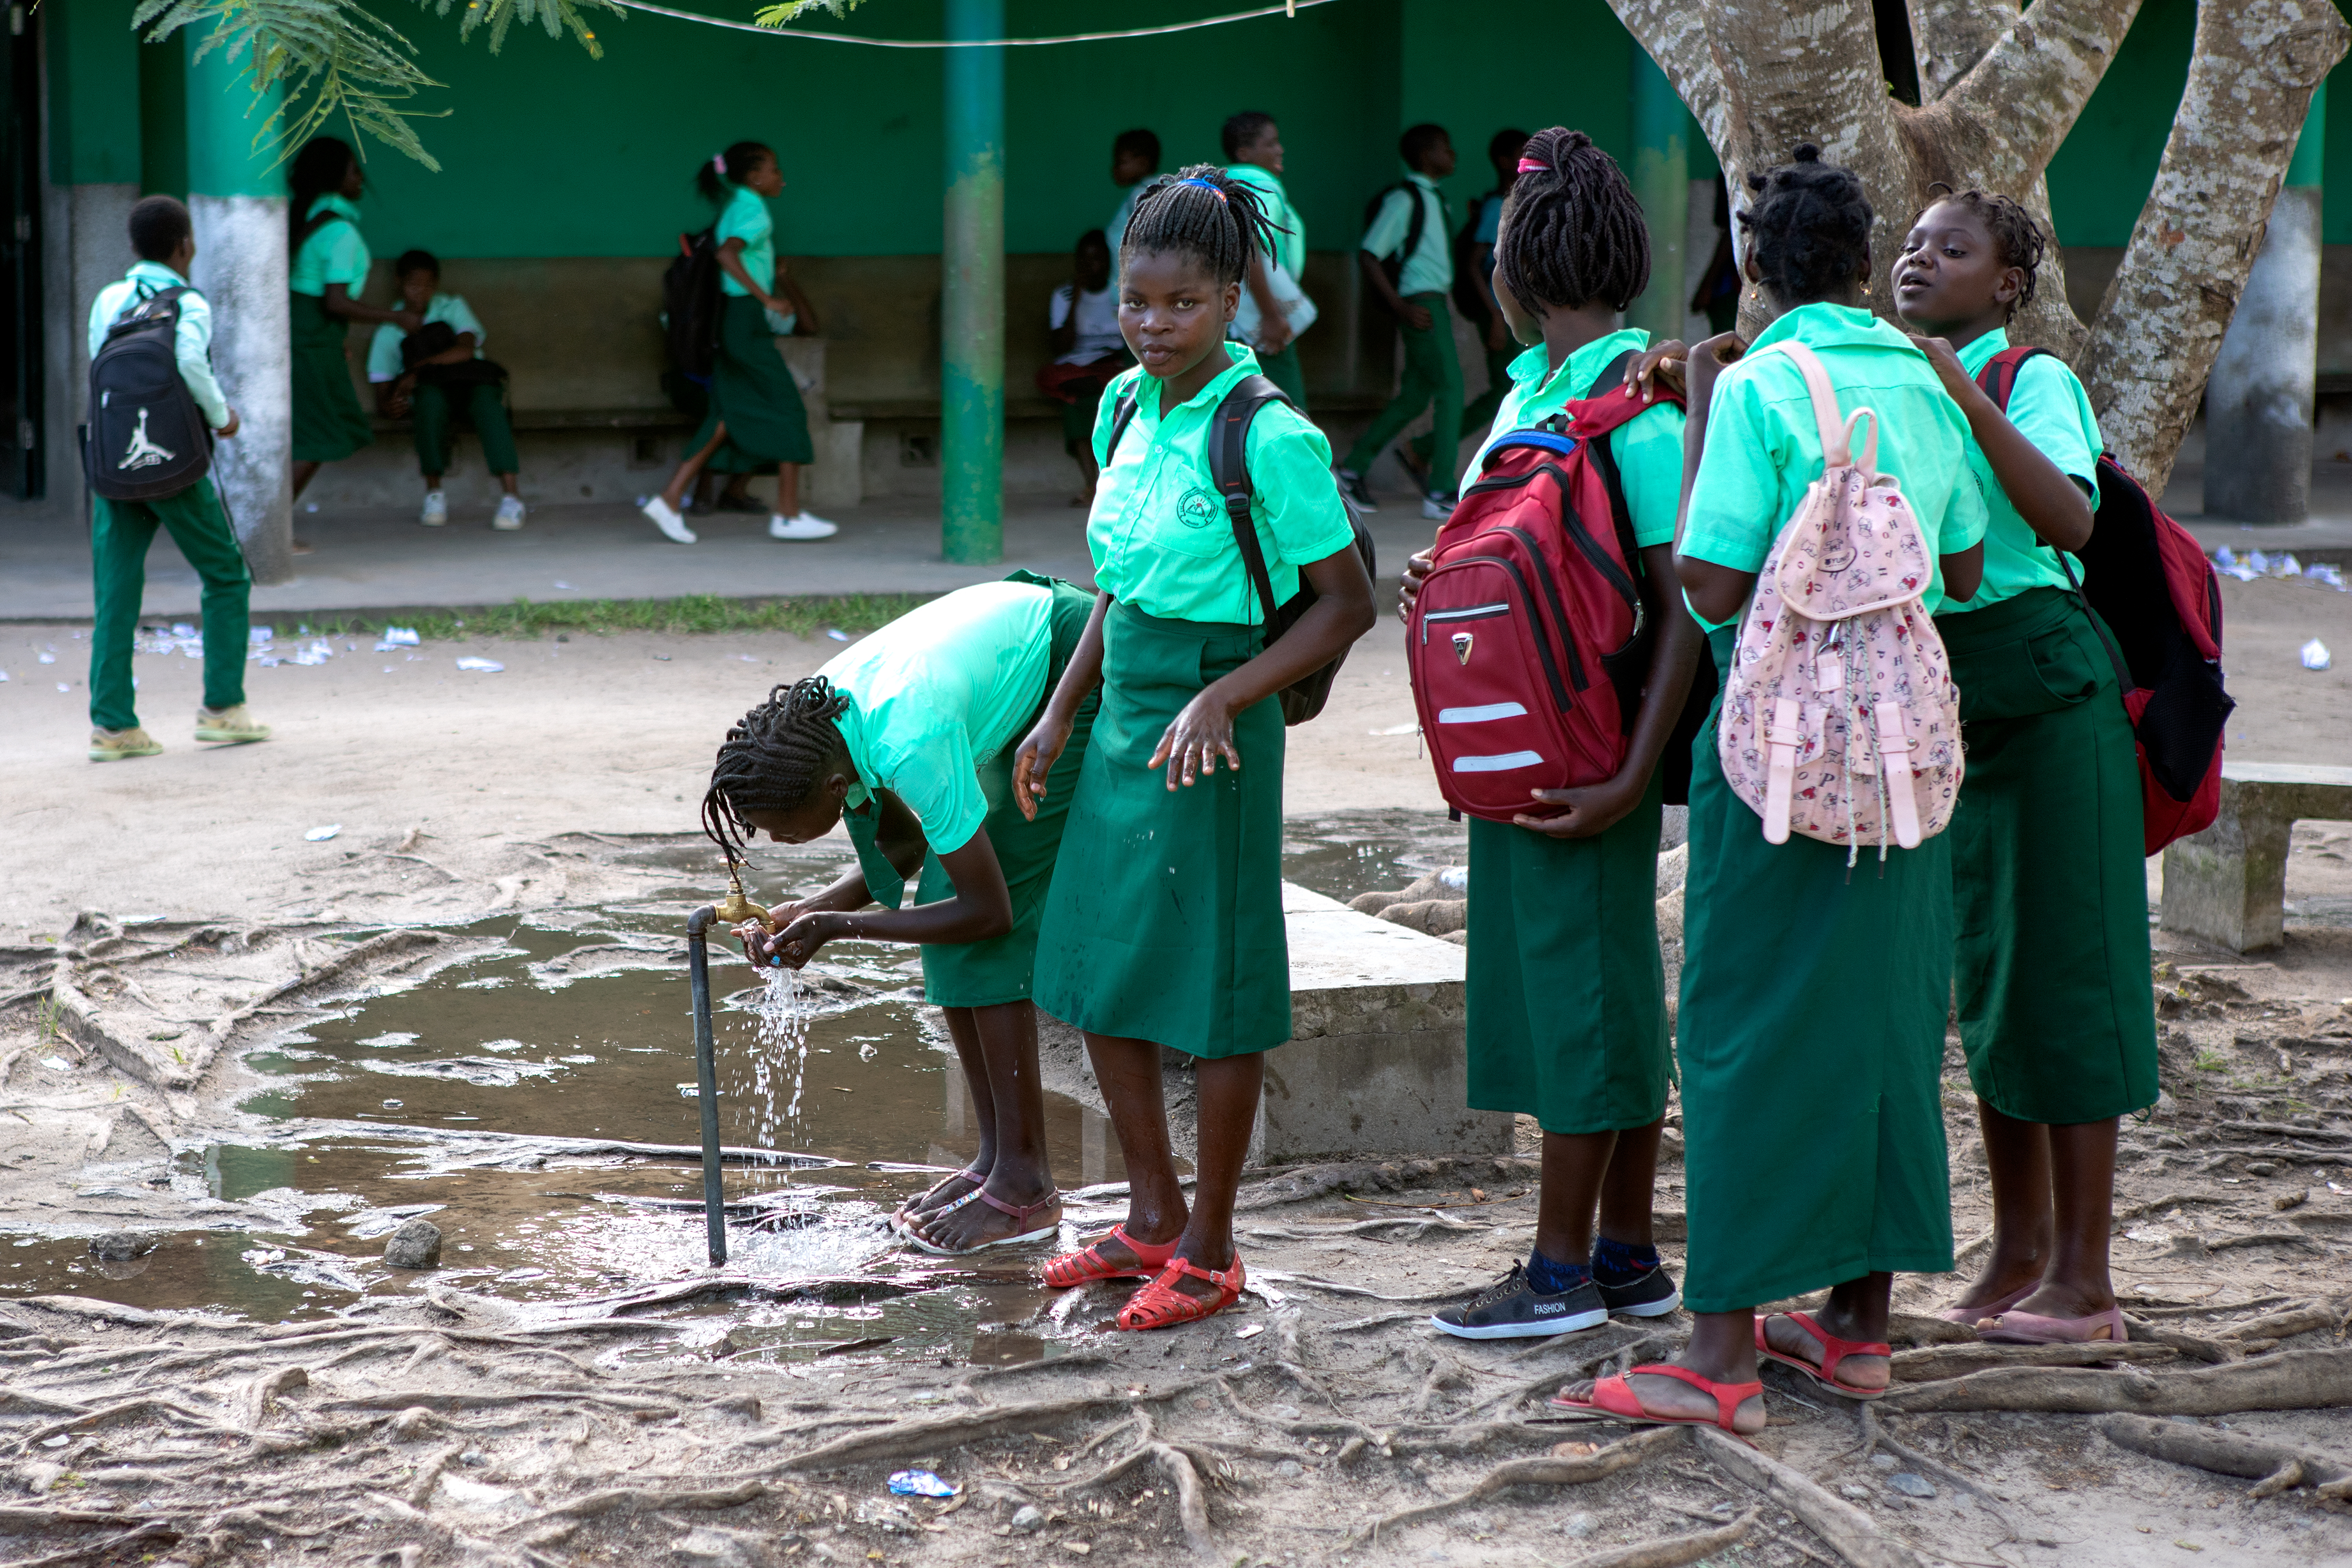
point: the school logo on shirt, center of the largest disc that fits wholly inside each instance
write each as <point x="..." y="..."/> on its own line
<point x="1199" y="507"/>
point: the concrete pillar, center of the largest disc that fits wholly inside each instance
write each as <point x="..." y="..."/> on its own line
<point x="2258" y="402"/>
<point x="1661" y="177"/>
<point x="972" y="314"/>
<point x="237" y="194"/>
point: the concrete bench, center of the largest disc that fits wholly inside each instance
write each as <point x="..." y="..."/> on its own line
<point x="2228" y="884"/>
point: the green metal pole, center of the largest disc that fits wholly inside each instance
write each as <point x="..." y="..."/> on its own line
<point x="1662" y="185"/>
<point x="971" y="316"/>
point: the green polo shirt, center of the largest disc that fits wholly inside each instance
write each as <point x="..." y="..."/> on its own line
<point x="2050" y="409"/>
<point x="334" y="251"/>
<point x="1764" y="445"/>
<point x="1648" y="447"/>
<point x="1159" y="533"/>
<point x="1289" y="249"/>
<point x="746" y="217"/>
<point x="938" y="692"/>
<point x="1430" y="268"/>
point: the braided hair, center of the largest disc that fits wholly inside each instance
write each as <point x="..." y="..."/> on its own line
<point x="770" y="759"/>
<point x="1202" y="213"/>
<point x="2016" y="237"/>
<point x="1807" y="228"/>
<point x="1571" y="230"/>
<point x="717" y="178"/>
<point x="317" y="170"/>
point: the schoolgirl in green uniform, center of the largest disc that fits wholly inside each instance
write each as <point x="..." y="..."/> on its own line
<point x="905" y="740"/>
<point x="1164" y="927"/>
<point x="1811" y="1034"/>
<point x="1568" y="1012"/>
<point x="756" y="417"/>
<point x="2048" y="887"/>
<point x="330" y="267"/>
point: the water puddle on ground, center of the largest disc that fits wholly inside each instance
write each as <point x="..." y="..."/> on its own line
<point x="536" y="1100"/>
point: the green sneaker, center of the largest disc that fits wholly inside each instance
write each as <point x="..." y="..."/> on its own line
<point x="114" y="744"/>
<point x="231" y="724"/>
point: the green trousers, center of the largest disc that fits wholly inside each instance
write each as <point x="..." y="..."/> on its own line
<point x="120" y="533"/>
<point x="1432" y="375"/>
<point x="482" y="406"/>
<point x="1480" y="410"/>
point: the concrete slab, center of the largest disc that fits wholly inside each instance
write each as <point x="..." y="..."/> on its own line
<point x="2228" y="884"/>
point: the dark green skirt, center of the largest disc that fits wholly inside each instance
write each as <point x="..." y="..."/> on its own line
<point x="1165" y="919"/>
<point x="752" y="390"/>
<point x="2049" y="962"/>
<point x="328" y="423"/>
<point x="1811" y="1037"/>
<point x="1001" y="970"/>
<point x="1567" y="992"/>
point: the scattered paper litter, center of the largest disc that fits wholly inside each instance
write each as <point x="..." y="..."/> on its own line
<point x="182" y="629"/>
<point x="48" y="658"/>
<point x="1413" y="728"/>
<point x="3" y="674"/>
<point x="487" y="666"/>
<point x="320" y="835"/>
<point x="66" y="687"/>
<point x="2315" y="656"/>
<point x="837" y="633"/>
<point x="2328" y="574"/>
<point x="567" y="587"/>
<point x="56" y="1064"/>
<point x="1250" y="1333"/>
<point x="400" y="636"/>
<point x="259" y="634"/>
<point x="922" y="1483"/>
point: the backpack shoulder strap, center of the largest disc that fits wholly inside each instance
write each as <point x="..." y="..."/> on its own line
<point x="1998" y="378"/>
<point x="1835" y="448"/>
<point x="141" y="298"/>
<point x="1229" y="469"/>
<point x="1604" y="407"/>
<point x="1416" y="225"/>
<point x="1122" y="415"/>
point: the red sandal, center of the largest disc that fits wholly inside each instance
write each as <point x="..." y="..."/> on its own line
<point x="1614" y="1400"/>
<point x="1088" y="1264"/>
<point x="1161" y="1305"/>
<point x="1833" y="1351"/>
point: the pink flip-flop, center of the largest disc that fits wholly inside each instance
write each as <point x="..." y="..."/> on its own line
<point x="1968" y="1317"/>
<point x="2033" y="1328"/>
<point x="1833" y="1351"/>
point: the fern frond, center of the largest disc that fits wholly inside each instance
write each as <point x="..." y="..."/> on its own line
<point x="786" y="12"/>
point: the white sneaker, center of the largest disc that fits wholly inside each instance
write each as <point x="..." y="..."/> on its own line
<point x="802" y="526"/>
<point x="435" y="511"/>
<point x="1437" y="509"/>
<point x="509" y="514"/>
<point x="665" y="517"/>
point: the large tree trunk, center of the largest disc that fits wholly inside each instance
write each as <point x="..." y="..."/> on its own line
<point x="2001" y="92"/>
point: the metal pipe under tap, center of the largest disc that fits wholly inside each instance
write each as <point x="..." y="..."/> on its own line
<point x="706" y="1078"/>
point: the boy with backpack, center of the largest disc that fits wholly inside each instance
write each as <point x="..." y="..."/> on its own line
<point x="1406" y="257"/>
<point x="154" y="411"/>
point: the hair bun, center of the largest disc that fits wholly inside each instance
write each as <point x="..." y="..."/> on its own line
<point x="1806" y="153"/>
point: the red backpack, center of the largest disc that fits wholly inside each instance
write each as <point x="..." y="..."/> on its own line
<point x="1529" y="646"/>
<point x="2148" y="579"/>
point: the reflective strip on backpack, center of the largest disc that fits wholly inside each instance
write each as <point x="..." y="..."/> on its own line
<point x="1505" y="762"/>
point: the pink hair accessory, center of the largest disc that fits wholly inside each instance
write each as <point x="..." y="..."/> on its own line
<point x="1530" y="165"/>
<point x="719" y="161"/>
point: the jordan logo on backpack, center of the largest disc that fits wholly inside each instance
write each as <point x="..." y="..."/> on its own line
<point x="143" y="453"/>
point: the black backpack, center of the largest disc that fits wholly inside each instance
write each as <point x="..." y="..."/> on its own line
<point x="438" y="338"/>
<point x="147" y="437"/>
<point x="1229" y="469"/>
<point x="691" y="305"/>
<point x="1395" y="264"/>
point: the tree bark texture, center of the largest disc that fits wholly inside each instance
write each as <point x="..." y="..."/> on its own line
<point x="2001" y="88"/>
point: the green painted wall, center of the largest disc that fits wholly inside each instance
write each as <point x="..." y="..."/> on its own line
<point x="93" y="71"/>
<point x="2105" y="171"/>
<point x="1475" y="67"/>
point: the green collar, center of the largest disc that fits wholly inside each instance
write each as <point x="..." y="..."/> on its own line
<point x="1825" y="326"/>
<point x="1979" y="354"/>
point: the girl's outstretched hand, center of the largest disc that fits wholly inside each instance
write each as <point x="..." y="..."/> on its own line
<point x="1660" y="365"/>
<point x="1706" y="361"/>
<point x="798" y="943"/>
<point x="1201" y="733"/>
<point x="1033" y="763"/>
<point x="1416" y="572"/>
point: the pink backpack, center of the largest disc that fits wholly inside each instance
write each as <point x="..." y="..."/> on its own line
<point x="1841" y="720"/>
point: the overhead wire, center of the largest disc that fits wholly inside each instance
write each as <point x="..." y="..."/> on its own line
<point x="1288" y="8"/>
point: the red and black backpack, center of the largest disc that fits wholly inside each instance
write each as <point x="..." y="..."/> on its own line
<point x="2160" y="602"/>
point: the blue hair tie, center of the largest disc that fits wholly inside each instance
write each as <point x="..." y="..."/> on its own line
<point x="1204" y="184"/>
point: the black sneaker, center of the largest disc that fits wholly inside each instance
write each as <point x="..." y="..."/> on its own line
<point x="1653" y="1295"/>
<point x="1352" y="486"/>
<point x="1510" y="1307"/>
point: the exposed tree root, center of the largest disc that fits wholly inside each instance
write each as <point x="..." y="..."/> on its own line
<point x="1848" y="1531"/>
<point x="1191" y="1499"/>
<point x="2275" y="1466"/>
<point x="2291" y="1380"/>
<point x="904" y="1439"/>
<point x="162" y="1534"/>
<point x="1674" y="1551"/>
<point x="1960" y="1360"/>
<point x="640" y="1500"/>
<point x="2213" y="1353"/>
<point x="1621" y="1454"/>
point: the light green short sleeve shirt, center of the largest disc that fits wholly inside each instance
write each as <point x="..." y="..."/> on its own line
<point x="938" y="693"/>
<point x="1290" y="248"/>
<point x="1430" y="268"/>
<point x="334" y="251"/>
<point x="1648" y="448"/>
<point x="1159" y="533"/>
<point x="1764" y="445"/>
<point x="2050" y="409"/>
<point x="383" y="349"/>
<point x="746" y="217"/>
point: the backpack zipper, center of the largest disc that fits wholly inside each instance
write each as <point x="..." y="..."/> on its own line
<point x="1559" y="612"/>
<point x="1543" y="645"/>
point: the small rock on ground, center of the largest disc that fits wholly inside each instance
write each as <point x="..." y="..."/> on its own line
<point x="415" y="1245"/>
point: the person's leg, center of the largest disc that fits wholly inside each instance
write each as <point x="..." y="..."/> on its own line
<point x="973" y="1059"/>
<point x="428" y="415"/>
<point x="1856" y="1311"/>
<point x="201" y="528"/>
<point x="788" y="490"/>
<point x="1445" y="414"/>
<point x="1574" y="1167"/>
<point x="487" y="408"/>
<point x="120" y="533"/>
<point x="2018" y="1157"/>
<point x="675" y="491"/>
<point x="304" y="472"/>
<point x="1019" y="1171"/>
<point x="1421" y="373"/>
<point x="1129" y="1073"/>
<point x="1722" y="1349"/>
<point x="1226" y="1094"/>
<point x="2082" y="1185"/>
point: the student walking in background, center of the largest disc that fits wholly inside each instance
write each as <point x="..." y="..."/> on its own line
<point x="1134" y="159"/>
<point x="434" y="376"/>
<point x="2049" y="892"/>
<point x="1252" y="144"/>
<point x="1473" y="291"/>
<point x="330" y="267"/>
<point x="1568" y="1006"/>
<point x="756" y="415"/>
<point x="1406" y="255"/>
<point x="165" y="241"/>
<point x="1183" y="945"/>
<point x="1814" y="988"/>
<point x="1083" y="317"/>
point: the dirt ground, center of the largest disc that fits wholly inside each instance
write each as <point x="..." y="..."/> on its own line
<point x="444" y="1425"/>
